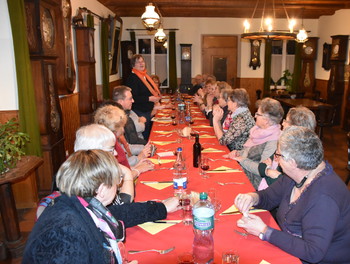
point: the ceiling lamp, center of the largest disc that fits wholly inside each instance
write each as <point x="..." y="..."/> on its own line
<point x="160" y="36"/>
<point x="267" y="30"/>
<point x="150" y="18"/>
<point x="302" y="35"/>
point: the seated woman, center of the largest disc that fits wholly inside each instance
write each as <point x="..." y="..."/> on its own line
<point x="114" y="119"/>
<point x="296" y="116"/>
<point x="234" y="131"/>
<point x="262" y="141"/>
<point x="207" y="99"/>
<point x="314" y="203"/>
<point x="224" y="89"/>
<point x="79" y="228"/>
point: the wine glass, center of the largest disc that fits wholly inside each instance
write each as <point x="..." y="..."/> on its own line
<point x="173" y="116"/>
<point x="217" y="206"/>
<point x="204" y="166"/>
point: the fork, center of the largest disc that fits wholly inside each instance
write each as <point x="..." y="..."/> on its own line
<point x="224" y="183"/>
<point x="160" y="251"/>
<point x="164" y="135"/>
<point x="240" y="233"/>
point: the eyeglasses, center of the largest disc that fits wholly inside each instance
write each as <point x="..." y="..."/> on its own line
<point x="278" y="155"/>
<point x="285" y="121"/>
<point x="257" y="114"/>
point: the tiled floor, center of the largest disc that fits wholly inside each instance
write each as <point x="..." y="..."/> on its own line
<point x="335" y="146"/>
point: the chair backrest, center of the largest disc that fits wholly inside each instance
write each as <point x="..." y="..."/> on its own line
<point x="325" y="115"/>
<point x="348" y="136"/>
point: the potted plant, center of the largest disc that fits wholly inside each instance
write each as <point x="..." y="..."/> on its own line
<point x="286" y="80"/>
<point x="12" y="143"/>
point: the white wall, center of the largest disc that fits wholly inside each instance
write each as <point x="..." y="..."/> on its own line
<point x="8" y="86"/>
<point x="338" y="24"/>
<point x="192" y="29"/>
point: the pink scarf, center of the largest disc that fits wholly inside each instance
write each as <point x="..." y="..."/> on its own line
<point x="261" y="135"/>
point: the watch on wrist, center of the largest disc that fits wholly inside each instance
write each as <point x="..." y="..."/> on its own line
<point x="262" y="234"/>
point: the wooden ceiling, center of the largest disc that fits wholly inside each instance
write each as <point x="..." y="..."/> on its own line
<point x="228" y="8"/>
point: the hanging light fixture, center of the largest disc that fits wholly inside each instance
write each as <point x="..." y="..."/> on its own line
<point x="160" y="36"/>
<point x="150" y="18"/>
<point x="302" y="35"/>
<point x="267" y="30"/>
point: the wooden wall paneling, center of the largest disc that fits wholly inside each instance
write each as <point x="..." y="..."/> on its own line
<point x="251" y="85"/>
<point x="71" y="120"/>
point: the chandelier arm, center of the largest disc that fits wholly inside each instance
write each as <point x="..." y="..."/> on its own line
<point x="262" y="18"/>
<point x="256" y="6"/>
<point x="285" y="10"/>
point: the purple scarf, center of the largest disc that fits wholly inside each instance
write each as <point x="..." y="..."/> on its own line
<point x="259" y="135"/>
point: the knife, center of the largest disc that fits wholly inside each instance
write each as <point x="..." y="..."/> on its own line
<point x="145" y="182"/>
<point x="233" y="170"/>
<point x="165" y="222"/>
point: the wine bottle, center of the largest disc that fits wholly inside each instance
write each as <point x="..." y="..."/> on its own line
<point x="197" y="148"/>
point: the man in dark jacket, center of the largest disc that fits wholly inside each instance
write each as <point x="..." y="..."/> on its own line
<point x="122" y="95"/>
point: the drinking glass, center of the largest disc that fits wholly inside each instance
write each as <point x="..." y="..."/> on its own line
<point x="185" y="258"/>
<point x="185" y="202"/>
<point x="204" y="166"/>
<point x="230" y="257"/>
<point x="217" y="206"/>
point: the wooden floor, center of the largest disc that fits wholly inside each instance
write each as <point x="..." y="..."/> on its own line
<point x="335" y="146"/>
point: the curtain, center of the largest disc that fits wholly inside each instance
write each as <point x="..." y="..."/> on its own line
<point x="90" y="21"/>
<point x="104" y="58"/>
<point x="172" y="61"/>
<point x="28" y="118"/>
<point x="297" y="68"/>
<point x="267" y="67"/>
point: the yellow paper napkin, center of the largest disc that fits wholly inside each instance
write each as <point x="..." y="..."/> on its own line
<point x="155" y="161"/>
<point x="207" y="136"/>
<point x="162" y="143"/>
<point x="154" y="228"/>
<point x="202" y="126"/>
<point x="158" y="186"/>
<point x="163" y="132"/>
<point x="235" y="211"/>
<point x="164" y="114"/>
<point x="223" y="169"/>
<point x="199" y="118"/>
<point x="211" y="150"/>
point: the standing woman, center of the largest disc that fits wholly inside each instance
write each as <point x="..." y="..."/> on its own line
<point x="144" y="91"/>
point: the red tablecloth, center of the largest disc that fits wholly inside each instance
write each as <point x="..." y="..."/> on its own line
<point x="251" y="249"/>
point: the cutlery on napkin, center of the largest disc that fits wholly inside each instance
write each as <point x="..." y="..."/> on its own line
<point x="206" y="136"/>
<point x="166" y="154"/>
<point x="163" y="132"/>
<point x="202" y="126"/>
<point x="163" y="142"/>
<point x="156" y="161"/>
<point x="211" y="150"/>
<point x="233" y="211"/>
<point x="223" y="169"/>
<point x="154" y="228"/>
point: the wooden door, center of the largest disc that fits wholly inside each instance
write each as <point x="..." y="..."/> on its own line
<point x="219" y="57"/>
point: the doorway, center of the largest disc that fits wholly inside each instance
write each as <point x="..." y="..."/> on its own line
<point x="219" y="57"/>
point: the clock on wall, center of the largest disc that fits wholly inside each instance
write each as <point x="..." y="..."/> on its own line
<point x="309" y="49"/>
<point x="339" y="46"/>
<point x="186" y="65"/>
<point x="255" y="53"/>
<point x="186" y="52"/>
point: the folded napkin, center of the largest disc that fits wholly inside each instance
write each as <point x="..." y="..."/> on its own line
<point x="202" y="126"/>
<point x="233" y="209"/>
<point x="223" y="169"/>
<point x="166" y="154"/>
<point x="156" y="161"/>
<point x="163" y="114"/>
<point x="161" y="120"/>
<point x="154" y="228"/>
<point x="163" y="132"/>
<point x="199" y="118"/>
<point x="211" y="150"/>
<point x="206" y="136"/>
<point x="157" y="185"/>
<point x="162" y="143"/>
<point x="264" y="262"/>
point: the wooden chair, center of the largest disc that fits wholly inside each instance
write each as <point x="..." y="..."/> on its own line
<point x="348" y="179"/>
<point x="325" y="117"/>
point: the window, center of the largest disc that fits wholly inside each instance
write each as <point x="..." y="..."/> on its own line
<point x="282" y="58"/>
<point x="156" y="57"/>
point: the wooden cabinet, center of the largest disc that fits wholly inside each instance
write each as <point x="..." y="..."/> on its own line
<point x="86" y="73"/>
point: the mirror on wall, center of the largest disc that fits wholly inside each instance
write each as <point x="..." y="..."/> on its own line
<point x="114" y="37"/>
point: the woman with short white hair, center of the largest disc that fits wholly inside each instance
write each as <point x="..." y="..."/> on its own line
<point x="314" y="203"/>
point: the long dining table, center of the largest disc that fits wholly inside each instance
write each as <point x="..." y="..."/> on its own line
<point x="250" y="248"/>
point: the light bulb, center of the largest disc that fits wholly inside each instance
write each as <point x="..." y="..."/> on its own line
<point x="291" y="25"/>
<point x="302" y="36"/>
<point x="246" y="25"/>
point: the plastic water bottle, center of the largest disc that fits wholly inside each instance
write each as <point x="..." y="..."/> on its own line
<point x="203" y="227"/>
<point x="179" y="174"/>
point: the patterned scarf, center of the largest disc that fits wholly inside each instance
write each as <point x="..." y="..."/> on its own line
<point x="259" y="135"/>
<point x="112" y="230"/>
<point x="147" y="80"/>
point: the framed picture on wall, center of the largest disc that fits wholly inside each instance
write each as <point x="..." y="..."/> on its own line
<point x="116" y="27"/>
